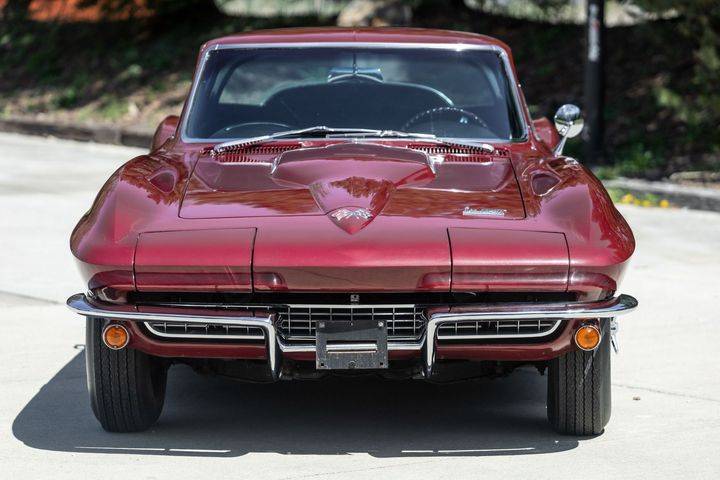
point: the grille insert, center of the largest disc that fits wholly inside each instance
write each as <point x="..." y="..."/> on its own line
<point x="204" y="330"/>
<point x="484" y="329"/>
<point x="404" y="322"/>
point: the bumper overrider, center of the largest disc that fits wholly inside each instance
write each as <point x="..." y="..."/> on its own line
<point x="248" y="323"/>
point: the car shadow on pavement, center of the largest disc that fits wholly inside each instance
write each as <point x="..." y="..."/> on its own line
<point x="211" y="416"/>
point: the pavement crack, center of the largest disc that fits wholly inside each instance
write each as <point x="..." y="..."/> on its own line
<point x="667" y="392"/>
<point x="23" y="299"/>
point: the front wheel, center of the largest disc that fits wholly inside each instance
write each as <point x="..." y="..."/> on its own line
<point x="127" y="386"/>
<point x="578" y="399"/>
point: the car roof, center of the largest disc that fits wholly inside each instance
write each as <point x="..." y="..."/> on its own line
<point x="360" y="35"/>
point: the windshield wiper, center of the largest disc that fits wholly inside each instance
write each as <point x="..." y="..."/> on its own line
<point x="309" y="131"/>
<point x="322" y="130"/>
<point x="382" y="134"/>
<point x="486" y="147"/>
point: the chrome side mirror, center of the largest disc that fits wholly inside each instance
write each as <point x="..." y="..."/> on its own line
<point x="569" y="123"/>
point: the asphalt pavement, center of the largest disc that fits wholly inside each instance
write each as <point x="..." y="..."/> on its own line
<point x="666" y="386"/>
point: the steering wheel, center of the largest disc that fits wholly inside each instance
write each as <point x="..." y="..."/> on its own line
<point x="256" y="128"/>
<point x="461" y="114"/>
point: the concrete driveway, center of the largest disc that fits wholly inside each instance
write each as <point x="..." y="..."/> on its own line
<point x="666" y="387"/>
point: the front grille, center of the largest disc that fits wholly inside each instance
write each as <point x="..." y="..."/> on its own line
<point x="204" y="330"/>
<point x="296" y="323"/>
<point x="404" y="322"/>
<point x="484" y="329"/>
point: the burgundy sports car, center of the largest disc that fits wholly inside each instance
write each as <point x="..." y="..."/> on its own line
<point x="353" y="201"/>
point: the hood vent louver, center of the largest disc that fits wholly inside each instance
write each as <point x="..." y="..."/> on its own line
<point x="254" y="154"/>
<point x="460" y="154"/>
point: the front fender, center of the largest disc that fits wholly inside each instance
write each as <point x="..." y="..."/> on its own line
<point x="140" y="193"/>
<point x="566" y="197"/>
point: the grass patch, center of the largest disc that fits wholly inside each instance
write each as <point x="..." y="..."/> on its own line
<point x="634" y="161"/>
<point x="131" y="72"/>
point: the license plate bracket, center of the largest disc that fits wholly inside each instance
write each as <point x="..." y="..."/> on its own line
<point x="351" y="345"/>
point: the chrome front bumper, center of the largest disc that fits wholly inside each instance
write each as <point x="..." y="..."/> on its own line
<point x="609" y="308"/>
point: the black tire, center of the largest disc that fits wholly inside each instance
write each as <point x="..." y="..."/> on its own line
<point x="127" y="386"/>
<point x="578" y="399"/>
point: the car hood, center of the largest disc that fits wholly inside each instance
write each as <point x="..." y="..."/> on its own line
<point x="353" y="183"/>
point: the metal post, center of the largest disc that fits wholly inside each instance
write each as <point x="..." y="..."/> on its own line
<point x="595" y="82"/>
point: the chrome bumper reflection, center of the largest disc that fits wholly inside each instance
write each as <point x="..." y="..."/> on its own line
<point x="80" y="304"/>
<point x="608" y="308"/>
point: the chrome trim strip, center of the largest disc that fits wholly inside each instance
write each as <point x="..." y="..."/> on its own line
<point x="496" y="336"/>
<point x="349" y="305"/>
<point x="514" y="84"/>
<point x="352" y="347"/>
<point x="279" y="305"/>
<point x="609" y="308"/>
<point x="390" y="45"/>
<point x="79" y="304"/>
<point x="310" y="347"/>
<point x="158" y="333"/>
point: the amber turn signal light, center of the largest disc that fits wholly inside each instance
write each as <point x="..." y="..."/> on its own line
<point x="588" y="337"/>
<point x="115" y="336"/>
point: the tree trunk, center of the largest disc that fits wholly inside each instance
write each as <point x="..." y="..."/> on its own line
<point x="183" y="7"/>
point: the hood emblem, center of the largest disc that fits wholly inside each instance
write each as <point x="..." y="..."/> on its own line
<point x="354" y="213"/>
<point x="352" y="182"/>
<point x="351" y="219"/>
<point x="484" y="212"/>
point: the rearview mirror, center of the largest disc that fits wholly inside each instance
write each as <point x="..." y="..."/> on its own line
<point x="569" y="123"/>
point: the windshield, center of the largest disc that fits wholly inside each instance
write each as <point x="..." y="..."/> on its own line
<point x="249" y="92"/>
